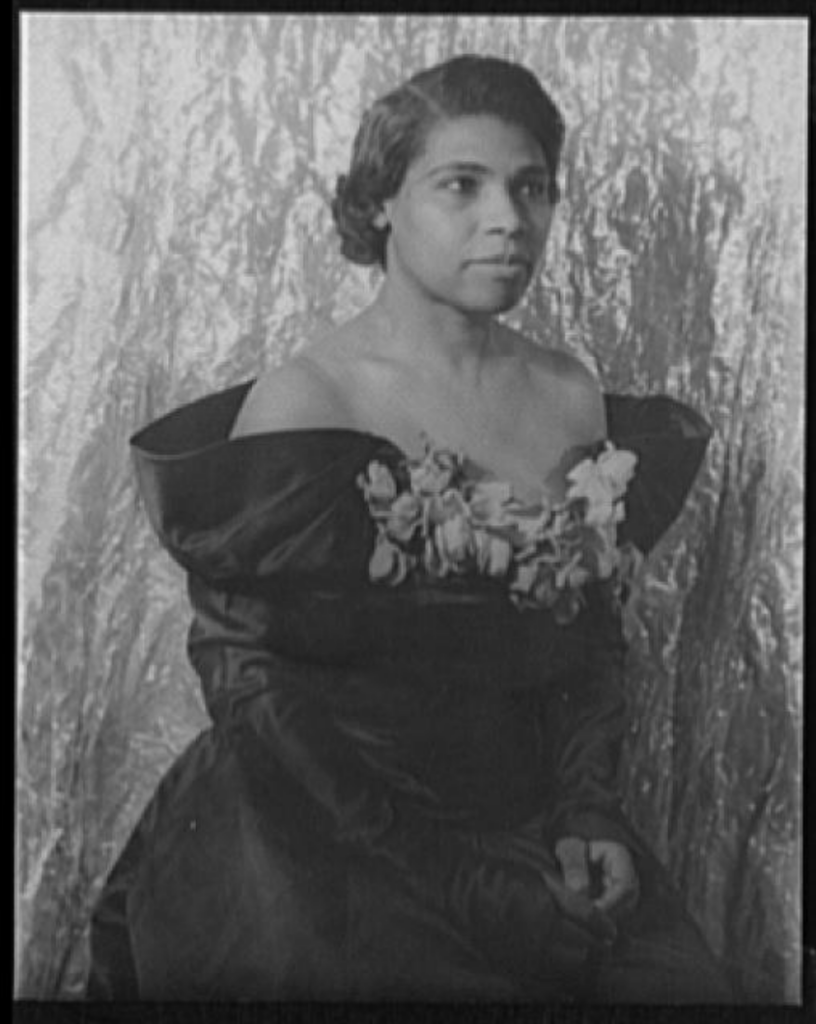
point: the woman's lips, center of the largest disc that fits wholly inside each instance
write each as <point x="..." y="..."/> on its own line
<point x="501" y="258"/>
<point x="500" y="267"/>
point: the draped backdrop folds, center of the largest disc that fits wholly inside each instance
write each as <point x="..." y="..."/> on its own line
<point x="177" y="238"/>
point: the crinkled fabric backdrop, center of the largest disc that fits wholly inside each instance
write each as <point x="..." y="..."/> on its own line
<point x="177" y="239"/>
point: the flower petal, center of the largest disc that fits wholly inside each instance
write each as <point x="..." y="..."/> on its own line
<point x="383" y="559"/>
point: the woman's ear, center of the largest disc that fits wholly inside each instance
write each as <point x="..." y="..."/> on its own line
<point x="382" y="219"/>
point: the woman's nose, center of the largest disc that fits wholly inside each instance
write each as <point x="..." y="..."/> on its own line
<point x="502" y="211"/>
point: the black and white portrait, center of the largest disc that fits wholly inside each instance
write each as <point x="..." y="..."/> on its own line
<point x="411" y="508"/>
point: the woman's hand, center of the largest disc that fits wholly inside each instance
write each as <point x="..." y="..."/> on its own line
<point x="510" y="898"/>
<point x="618" y="880"/>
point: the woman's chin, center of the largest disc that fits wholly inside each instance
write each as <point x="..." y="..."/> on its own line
<point x="498" y="294"/>
<point x="493" y="304"/>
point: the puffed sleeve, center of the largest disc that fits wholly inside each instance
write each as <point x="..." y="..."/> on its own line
<point x="670" y="440"/>
<point x="257" y="508"/>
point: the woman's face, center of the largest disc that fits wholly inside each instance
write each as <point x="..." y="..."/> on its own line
<point x="471" y="219"/>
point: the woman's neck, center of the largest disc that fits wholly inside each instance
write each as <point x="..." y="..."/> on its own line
<point x="432" y="336"/>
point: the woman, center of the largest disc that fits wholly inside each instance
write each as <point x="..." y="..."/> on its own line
<point x="408" y="791"/>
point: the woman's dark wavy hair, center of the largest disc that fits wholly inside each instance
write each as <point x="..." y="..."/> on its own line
<point x="393" y="132"/>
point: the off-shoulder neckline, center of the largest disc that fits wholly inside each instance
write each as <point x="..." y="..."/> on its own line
<point x="176" y="435"/>
<point x="179" y="456"/>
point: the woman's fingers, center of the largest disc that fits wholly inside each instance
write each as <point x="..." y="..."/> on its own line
<point x="571" y="853"/>
<point x="619" y="880"/>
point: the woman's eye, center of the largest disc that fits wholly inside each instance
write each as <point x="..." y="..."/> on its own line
<point x="462" y="185"/>
<point x="534" y="189"/>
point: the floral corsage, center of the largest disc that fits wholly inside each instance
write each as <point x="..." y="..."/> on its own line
<point x="442" y="523"/>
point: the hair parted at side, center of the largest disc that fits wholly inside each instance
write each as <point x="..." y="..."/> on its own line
<point x="393" y="131"/>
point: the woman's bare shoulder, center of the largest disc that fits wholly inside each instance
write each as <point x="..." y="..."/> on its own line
<point x="300" y="394"/>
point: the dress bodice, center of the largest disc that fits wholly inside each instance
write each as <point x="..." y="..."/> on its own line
<point x="284" y="507"/>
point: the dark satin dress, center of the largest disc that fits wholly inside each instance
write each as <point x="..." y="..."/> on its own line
<point x="372" y="813"/>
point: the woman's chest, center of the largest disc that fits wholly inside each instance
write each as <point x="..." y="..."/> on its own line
<point x="507" y="427"/>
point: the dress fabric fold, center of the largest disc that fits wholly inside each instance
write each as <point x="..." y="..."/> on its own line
<point x="371" y="815"/>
